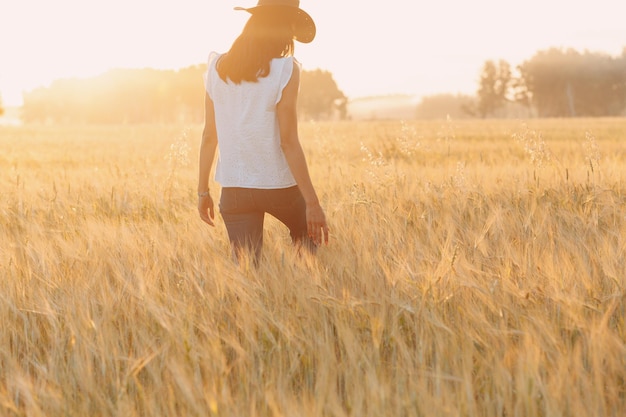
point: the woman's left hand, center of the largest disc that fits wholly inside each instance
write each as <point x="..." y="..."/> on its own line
<point x="206" y="209"/>
<point x="316" y="224"/>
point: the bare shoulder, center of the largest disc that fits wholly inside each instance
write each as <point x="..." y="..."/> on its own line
<point x="296" y="68"/>
<point x="294" y="81"/>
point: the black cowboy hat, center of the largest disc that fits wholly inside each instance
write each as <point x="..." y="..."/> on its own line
<point x="305" y="27"/>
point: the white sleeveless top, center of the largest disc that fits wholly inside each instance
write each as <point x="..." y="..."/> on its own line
<point x="248" y="136"/>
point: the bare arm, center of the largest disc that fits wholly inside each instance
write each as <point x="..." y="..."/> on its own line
<point x="290" y="144"/>
<point x="207" y="155"/>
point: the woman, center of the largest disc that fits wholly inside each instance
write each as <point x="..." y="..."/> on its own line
<point x="250" y="105"/>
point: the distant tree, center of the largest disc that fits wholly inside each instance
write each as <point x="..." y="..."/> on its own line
<point x="494" y="84"/>
<point x="320" y="97"/>
<point x="562" y="83"/>
<point x="521" y="95"/>
<point x="621" y="86"/>
<point x="341" y="104"/>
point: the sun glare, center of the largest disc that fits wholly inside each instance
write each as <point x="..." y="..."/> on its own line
<point x="371" y="48"/>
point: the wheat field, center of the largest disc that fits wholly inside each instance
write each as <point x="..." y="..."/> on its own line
<point x="476" y="268"/>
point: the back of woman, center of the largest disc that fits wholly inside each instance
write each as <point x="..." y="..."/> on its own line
<point x="247" y="127"/>
<point x="251" y="116"/>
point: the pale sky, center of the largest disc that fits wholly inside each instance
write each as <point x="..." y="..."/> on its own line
<point x="372" y="47"/>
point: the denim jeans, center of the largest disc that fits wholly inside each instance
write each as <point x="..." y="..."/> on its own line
<point x="243" y="211"/>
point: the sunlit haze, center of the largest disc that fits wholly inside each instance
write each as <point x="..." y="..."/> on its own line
<point x="371" y="47"/>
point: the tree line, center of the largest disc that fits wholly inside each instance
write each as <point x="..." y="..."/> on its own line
<point x="129" y="96"/>
<point x="553" y="83"/>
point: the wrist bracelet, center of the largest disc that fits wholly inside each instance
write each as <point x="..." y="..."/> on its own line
<point x="203" y="194"/>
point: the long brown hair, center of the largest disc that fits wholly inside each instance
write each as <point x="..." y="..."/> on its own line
<point x="265" y="36"/>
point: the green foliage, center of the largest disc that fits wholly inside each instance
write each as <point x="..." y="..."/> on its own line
<point x="320" y="96"/>
<point x="553" y="83"/>
<point x="557" y="83"/>
<point x="130" y="96"/>
<point x="495" y="82"/>
<point x="569" y="83"/>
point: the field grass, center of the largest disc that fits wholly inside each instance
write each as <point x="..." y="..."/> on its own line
<point x="476" y="268"/>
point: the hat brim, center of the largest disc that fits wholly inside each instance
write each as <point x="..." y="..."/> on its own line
<point x="304" y="25"/>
